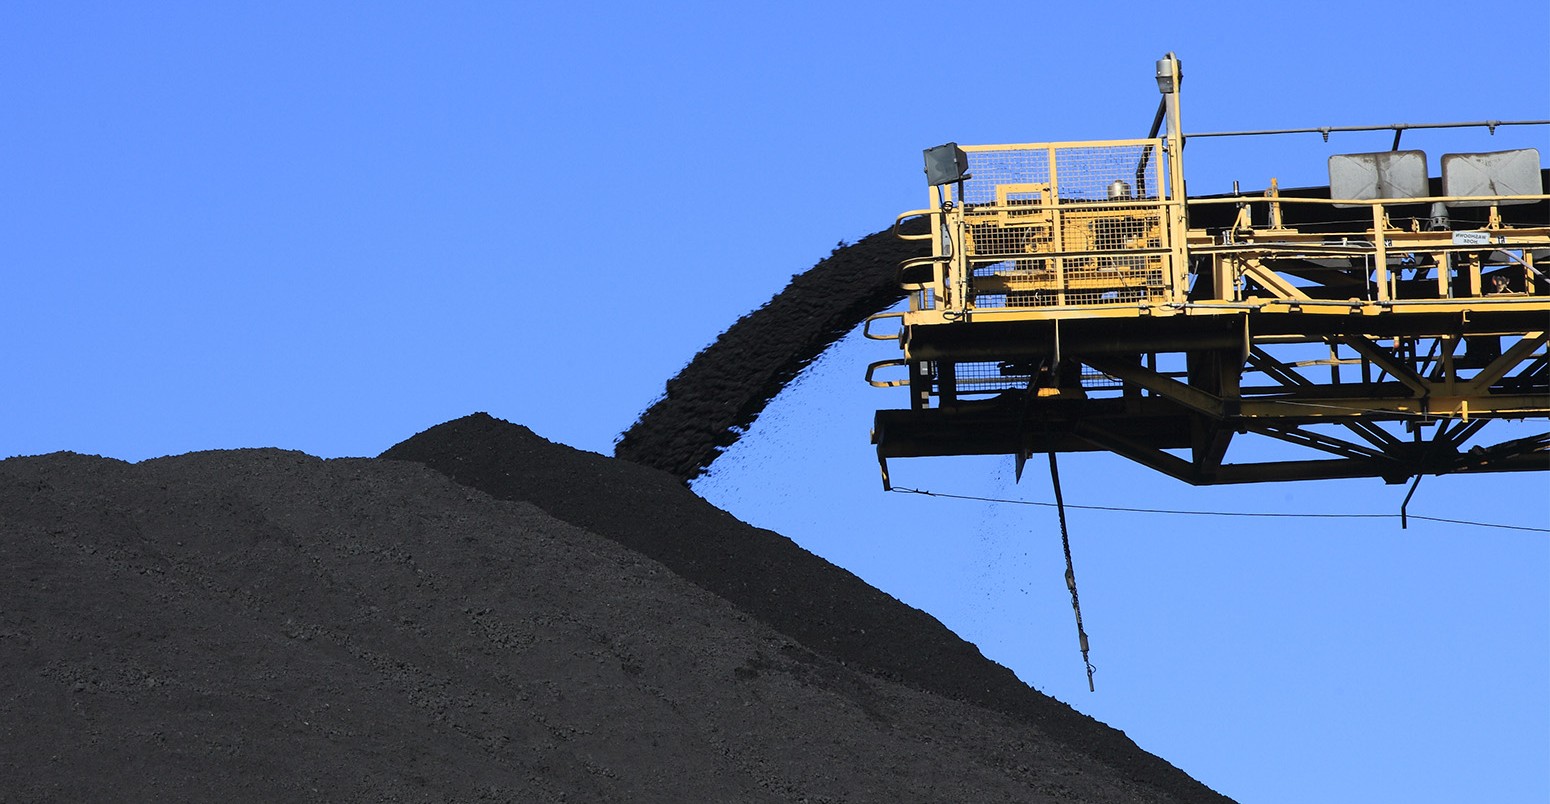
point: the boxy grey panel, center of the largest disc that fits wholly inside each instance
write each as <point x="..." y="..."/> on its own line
<point x="946" y="164"/>
<point x="1495" y="173"/>
<point x="1385" y="174"/>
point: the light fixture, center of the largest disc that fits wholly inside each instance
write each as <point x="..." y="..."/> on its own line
<point x="1170" y="74"/>
<point x="946" y="164"/>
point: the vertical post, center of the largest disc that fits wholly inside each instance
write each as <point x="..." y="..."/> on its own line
<point x="1224" y="276"/>
<point x="959" y="262"/>
<point x="1170" y="76"/>
<point x="1057" y="215"/>
<point x="1381" y="256"/>
<point x="940" y="271"/>
<point x="1450" y="344"/>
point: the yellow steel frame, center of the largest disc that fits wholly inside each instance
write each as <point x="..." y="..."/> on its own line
<point x="1061" y="233"/>
<point x="1049" y="317"/>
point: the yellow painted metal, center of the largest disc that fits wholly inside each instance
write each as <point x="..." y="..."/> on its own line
<point x="1063" y="273"/>
<point x="1031" y="254"/>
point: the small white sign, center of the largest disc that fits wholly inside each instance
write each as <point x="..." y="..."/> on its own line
<point x="1471" y="239"/>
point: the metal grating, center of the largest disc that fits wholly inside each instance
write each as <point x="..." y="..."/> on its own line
<point x="1058" y="225"/>
<point x="1135" y="276"/>
<point x="1083" y="282"/>
<point x="1095" y="297"/>
<point x="988" y="377"/>
<point x="1086" y="172"/>
<point x="1092" y="379"/>
<point x="992" y="168"/>
<point x="996" y="231"/>
<point x="1083" y="172"/>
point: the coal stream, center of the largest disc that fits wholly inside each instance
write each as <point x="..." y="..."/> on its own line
<point x="724" y="388"/>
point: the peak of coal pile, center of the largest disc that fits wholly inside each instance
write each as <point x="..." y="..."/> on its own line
<point x="725" y="387"/>
<point x="821" y="607"/>
<point x="261" y="625"/>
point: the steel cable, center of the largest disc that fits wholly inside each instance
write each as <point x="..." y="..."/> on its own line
<point x="1065" y="544"/>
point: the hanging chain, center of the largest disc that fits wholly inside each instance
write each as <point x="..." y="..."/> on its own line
<point x="1065" y="543"/>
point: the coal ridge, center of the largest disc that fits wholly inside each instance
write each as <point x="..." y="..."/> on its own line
<point x="824" y="607"/>
<point x="714" y="398"/>
<point x="262" y="625"/>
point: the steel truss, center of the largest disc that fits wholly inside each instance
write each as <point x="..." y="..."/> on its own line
<point x="1076" y="300"/>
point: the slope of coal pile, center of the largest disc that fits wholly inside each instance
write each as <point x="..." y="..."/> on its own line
<point x="266" y="626"/>
<point x="824" y="608"/>
<point x="725" y="387"/>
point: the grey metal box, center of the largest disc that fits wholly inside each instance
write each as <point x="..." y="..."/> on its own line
<point x="1495" y="173"/>
<point x="1385" y="174"/>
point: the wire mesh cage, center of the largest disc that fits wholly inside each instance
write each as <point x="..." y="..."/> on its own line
<point x="1093" y="379"/>
<point x="1128" y="169"/>
<point x="989" y="377"/>
<point x="1065" y="224"/>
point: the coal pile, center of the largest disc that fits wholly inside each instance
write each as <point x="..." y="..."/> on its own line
<point x="827" y="609"/>
<point x="261" y="625"/>
<point x="724" y="388"/>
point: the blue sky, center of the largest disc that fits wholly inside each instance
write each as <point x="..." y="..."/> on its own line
<point x="328" y="226"/>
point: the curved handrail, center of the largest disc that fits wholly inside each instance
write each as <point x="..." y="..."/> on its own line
<point x="872" y="369"/>
<point x="866" y="327"/>
<point x="914" y="213"/>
